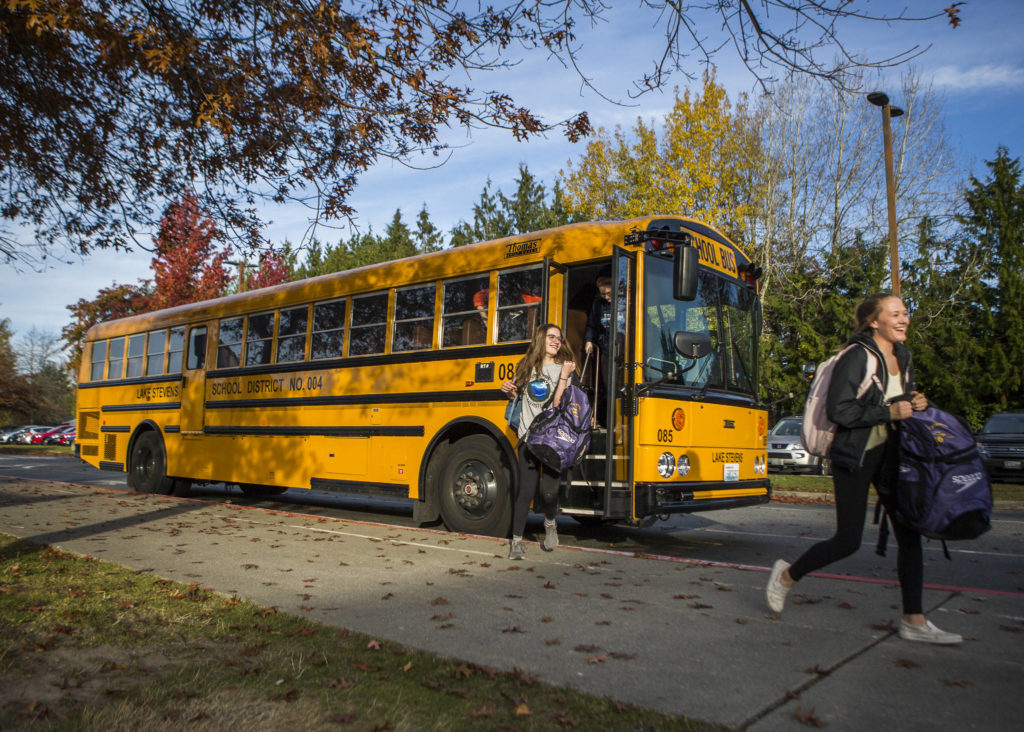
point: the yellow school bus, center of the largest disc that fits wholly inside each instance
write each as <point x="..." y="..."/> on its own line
<point x="384" y="380"/>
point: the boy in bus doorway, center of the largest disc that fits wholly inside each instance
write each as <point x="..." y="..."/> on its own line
<point x="540" y="377"/>
<point x="599" y="334"/>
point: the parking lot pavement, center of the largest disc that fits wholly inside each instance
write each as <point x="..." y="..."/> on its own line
<point x="686" y="638"/>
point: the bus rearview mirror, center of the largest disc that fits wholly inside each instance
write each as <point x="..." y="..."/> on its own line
<point x="684" y="273"/>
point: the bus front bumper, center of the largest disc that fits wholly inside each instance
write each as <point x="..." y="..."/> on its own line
<point x="663" y="498"/>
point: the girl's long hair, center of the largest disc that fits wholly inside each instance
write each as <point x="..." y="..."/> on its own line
<point x="869" y="309"/>
<point x="530" y="364"/>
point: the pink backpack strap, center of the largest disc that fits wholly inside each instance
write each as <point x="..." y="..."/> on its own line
<point x="870" y="376"/>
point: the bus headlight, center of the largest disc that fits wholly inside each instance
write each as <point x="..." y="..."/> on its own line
<point x="683" y="467"/>
<point x="666" y="465"/>
<point x="760" y="465"/>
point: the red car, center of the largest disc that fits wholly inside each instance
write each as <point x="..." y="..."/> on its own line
<point x="63" y="436"/>
<point x="40" y="438"/>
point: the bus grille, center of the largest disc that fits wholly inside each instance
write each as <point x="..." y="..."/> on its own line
<point x="88" y="426"/>
<point x="90" y="450"/>
<point x="110" y="447"/>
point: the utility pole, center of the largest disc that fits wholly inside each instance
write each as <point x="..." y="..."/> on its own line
<point x="880" y="99"/>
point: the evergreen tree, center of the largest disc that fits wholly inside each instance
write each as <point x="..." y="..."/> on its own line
<point x="15" y="391"/>
<point x="994" y="225"/>
<point x="490" y="220"/>
<point x="941" y="288"/>
<point x="427" y="237"/>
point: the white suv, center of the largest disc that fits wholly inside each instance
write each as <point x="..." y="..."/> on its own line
<point x="786" y="451"/>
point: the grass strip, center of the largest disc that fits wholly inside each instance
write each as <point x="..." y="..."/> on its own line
<point x="1001" y="492"/>
<point x="92" y="645"/>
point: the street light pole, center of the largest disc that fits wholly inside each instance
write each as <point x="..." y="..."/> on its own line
<point x="879" y="99"/>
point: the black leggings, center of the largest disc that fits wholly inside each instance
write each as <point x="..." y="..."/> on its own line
<point x="534" y="474"/>
<point x="851" y="488"/>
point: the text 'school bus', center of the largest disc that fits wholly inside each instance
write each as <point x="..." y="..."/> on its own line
<point x="385" y="380"/>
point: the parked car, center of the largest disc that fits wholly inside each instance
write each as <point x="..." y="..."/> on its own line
<point x="1001" y="444"/>
<point x="68" y="438"/>
<point x="8" y="432"/>
<point x="56" y="437"/>
<point x="786" y="451"/>
<point x="25" y="436"/>
<point x="40" y="438"/>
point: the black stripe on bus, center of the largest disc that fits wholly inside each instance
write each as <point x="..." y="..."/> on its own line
<point x="119" y="467"/>
<point x="139" y="407"/>
<point x="115" y="429"/>
<point x="131" y="382"/>
<point x="391" y="490"/>
<point x="483" y="395"/>
<point x="473" y="353"/>
<point x="275" y="431"/>
<point x="172" y="429"/>
<point x="691" y="396"/>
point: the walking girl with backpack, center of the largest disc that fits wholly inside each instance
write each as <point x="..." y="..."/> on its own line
<point x="864" y="451"/>
<point x="540" y="379"/>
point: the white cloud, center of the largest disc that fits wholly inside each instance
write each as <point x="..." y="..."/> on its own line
<point x="978" y="77"/>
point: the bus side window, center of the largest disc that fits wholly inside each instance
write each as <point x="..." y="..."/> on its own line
<point x="414" y="319"/>
<point x="229" y="343"/>
<point x="99" y="360"/>
<point x="519" y="294"/>
<point x="115" y="359"/>
<point x="175" y="347"/>
<point x="155" y="352"/>
<point x="291" y="334"/>
<point x="196" y="348"/>
<point x="464" y="313"/>
<point x="259" y="339"/>
<point x="369" y="324"/>
<point x="136" y="353"/>
<point x="328" y="330"/>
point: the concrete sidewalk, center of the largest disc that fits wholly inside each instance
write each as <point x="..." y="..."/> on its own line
<point x="681" y="637"/>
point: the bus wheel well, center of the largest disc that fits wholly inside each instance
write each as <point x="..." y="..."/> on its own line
<point x="428" y="508"/>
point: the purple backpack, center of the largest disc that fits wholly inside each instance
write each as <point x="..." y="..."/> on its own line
<point x="943" y="491"/>
<point x="559" y="436"/>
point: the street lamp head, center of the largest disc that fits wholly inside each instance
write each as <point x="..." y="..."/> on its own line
<point x="895" y="112"/>
<point x="879" y="99"/>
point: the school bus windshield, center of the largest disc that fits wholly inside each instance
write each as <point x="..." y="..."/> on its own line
<point x="724" y="309"/>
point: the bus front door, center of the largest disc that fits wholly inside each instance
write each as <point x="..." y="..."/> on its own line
<point x="193" y="383"/>
<point x="618" y="481"/>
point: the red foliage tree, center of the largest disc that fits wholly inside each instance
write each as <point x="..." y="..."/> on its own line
<point x="273" y="270"/>
<point x="188" y="267"/>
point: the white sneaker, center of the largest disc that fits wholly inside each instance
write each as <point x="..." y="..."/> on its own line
<point x="516" y="550"/>
<point x="550" y="536"/>
<point x="927" y="633"/>
<point x="776" y="591"/>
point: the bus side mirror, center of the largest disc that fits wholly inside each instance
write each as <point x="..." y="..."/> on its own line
<point x="808" y="370"/>
<point x="692" y="345"/>
<point x="684" y="272"/>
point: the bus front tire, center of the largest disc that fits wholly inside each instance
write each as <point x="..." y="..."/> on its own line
<point x="147" y="472"/>
<point x="474" y="488"/>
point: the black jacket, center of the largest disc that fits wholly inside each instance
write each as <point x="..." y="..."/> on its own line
<point x="855" y="417"/>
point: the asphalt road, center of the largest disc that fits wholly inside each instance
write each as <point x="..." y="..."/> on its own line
<point x="747" y="536"/>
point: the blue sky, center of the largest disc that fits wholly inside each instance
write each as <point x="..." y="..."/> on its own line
<point x="978" y="68"/>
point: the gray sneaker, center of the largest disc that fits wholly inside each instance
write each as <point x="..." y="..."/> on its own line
<point x="927" y="633"/>
<point x="550" y="535"/>
<point x="516" y="550"/>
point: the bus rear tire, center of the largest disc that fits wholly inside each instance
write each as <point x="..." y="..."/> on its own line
<point x="475" y="488"/>
<point x="147" y="468"/>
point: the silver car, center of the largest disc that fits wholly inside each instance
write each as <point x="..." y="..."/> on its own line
<point x="786" y="451"/>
